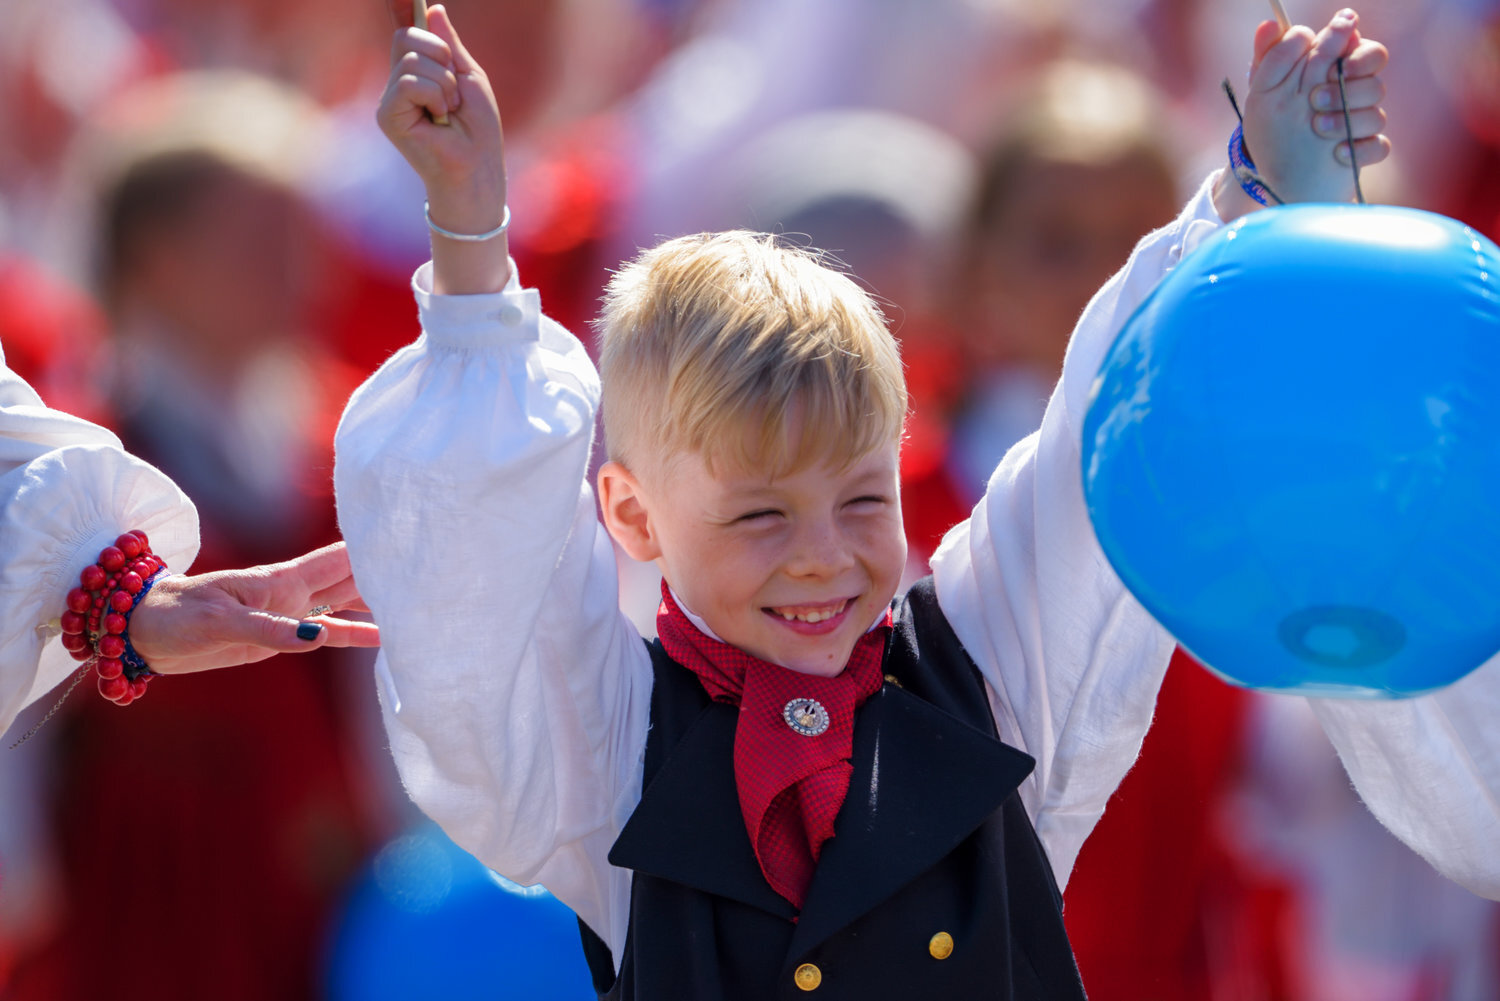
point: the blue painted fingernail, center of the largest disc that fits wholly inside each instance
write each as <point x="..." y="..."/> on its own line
<point x="309" y="630"/>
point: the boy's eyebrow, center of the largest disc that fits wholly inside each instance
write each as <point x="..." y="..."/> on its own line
<point x="751" y="490"/>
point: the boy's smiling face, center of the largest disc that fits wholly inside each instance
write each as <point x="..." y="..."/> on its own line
<point x="793" y="569"/>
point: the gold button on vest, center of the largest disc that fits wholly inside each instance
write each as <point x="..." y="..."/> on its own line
<point x="808" y="977"/>
<point x="940" y="945"/>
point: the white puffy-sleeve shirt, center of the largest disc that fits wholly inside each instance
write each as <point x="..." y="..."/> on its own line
<point x="67" y="490"/>
<point x="516" y="695"/>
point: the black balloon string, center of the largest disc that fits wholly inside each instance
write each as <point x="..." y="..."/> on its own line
<point x="1349" y="131"/>
<point x="1251" y="175"/>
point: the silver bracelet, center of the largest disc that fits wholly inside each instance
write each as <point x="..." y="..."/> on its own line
<point x="468" y="237"/>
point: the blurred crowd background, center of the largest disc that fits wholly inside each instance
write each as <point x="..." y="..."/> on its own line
<point x="206" y="244"/>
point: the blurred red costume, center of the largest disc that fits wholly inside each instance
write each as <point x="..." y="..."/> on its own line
<point x="205" y="834"/>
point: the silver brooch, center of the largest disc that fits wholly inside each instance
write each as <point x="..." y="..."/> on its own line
<point x="806" y="716"/>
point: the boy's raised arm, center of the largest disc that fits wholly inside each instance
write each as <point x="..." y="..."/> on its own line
<point x="1429" y="767"/>
<point x="1072" y="660"/>
<point x="514" y="692"/>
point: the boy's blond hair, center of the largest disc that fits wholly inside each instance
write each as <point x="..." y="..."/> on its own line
<point x="752" y="353"/>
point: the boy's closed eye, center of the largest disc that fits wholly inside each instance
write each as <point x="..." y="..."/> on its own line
<point x="763" y="513"/>
<point x="858" y="504"/>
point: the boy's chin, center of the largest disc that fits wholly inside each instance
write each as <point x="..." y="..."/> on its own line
<point x="821" y="670"/>
<point x="824" y="663"/>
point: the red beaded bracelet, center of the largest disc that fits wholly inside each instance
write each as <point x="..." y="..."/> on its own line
<point x="96" y="625"/>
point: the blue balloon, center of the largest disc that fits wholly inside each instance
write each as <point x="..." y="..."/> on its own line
<point x="1292" y="452"/>
<point x="427" y="920"/>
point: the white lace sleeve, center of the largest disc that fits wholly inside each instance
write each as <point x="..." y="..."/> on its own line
<point x="1072" y="660"/>
<point x="67" y="490"/>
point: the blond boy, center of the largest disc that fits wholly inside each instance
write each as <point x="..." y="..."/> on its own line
<point x="794" y="790"/>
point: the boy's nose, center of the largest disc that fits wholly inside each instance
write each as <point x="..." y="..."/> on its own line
<point x="820" y="551"/>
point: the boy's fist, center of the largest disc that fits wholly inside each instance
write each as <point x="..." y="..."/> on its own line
<point x="461" y="163"/>
<point x="1294" y="122"/>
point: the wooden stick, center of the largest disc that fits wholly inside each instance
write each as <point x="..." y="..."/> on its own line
<point x="419" y="20"/>
<point x="1276" y="6"/>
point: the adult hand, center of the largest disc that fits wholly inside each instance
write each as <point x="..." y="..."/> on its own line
<point x="231" y="617"/>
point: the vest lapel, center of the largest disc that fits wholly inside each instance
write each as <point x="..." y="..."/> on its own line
<point x="907" y="808"/>
<point x="688" y="826"/>
<point x="923" y="781"/>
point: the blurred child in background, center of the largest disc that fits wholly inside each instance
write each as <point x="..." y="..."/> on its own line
<point x="246" y="789"/>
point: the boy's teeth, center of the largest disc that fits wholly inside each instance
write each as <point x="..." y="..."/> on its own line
<point x="817" y="616"/>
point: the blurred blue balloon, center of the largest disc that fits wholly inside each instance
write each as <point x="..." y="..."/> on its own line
<point x="1292" y="454"/>
<point x="426" y="920"/>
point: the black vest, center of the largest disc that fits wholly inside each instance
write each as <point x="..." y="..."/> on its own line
<point x="930" y="839"/>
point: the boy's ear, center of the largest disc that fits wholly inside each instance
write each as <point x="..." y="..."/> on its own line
<point x="625" y="512"/>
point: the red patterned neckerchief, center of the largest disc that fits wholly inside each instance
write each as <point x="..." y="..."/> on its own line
<point x="792" y="743"/>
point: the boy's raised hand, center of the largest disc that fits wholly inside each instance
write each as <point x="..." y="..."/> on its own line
<point x="462" y="162"/>
<point x="1294" y="122"/>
